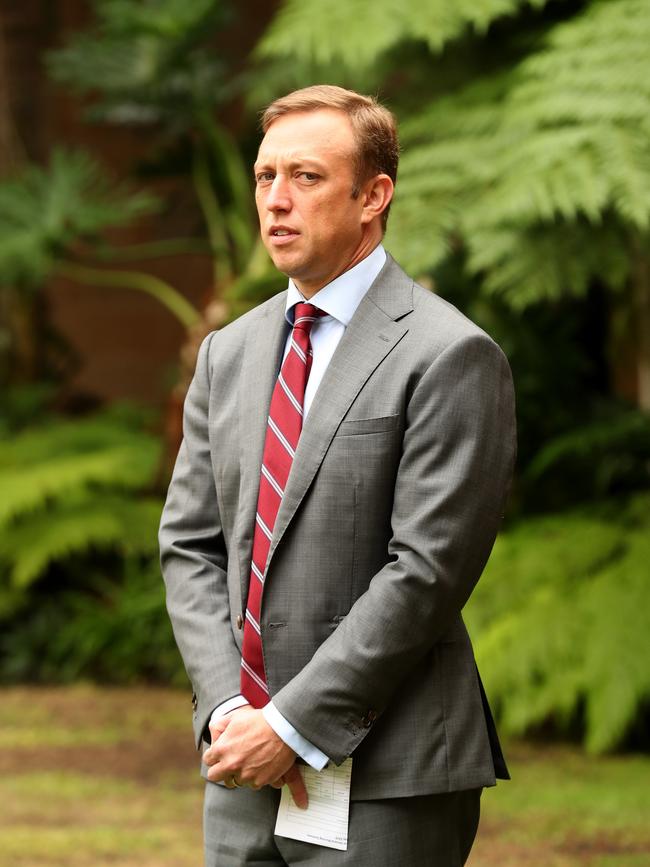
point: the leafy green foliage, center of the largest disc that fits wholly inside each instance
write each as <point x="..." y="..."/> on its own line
<point x="69" y="486"/>
<point x="78" y="524"/>
<point x="156" y="63"/>
<point x="561" y="618"/>
<point x="541" y="169"/>
<point x="592" y="445"/>
<point x="123" y="633"/>
<point x="147" y="62"/>
<point x="23" y="406"/>
<point x="80" y="587"/>
<point x="44" y="210"/>
<point x="106" y="622"/>
<point x="355" y="32"/>
<point x="608" y="455"/>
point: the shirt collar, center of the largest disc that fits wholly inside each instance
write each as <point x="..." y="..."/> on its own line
<point x="342" y="296"/>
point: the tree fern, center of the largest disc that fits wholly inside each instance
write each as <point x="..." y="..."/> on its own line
<point x="69" y="487"/>
<point x="50" y="464"/>
<point x="540" y="167"/>
<point x="561" y="620"/>
<point x="555" y="146"/>
<point x="96" y="520"/>
<point x="355" y="32"/>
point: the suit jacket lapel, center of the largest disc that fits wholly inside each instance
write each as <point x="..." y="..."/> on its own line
<point x="261" y="363"/>
<point x="372" y="333"/>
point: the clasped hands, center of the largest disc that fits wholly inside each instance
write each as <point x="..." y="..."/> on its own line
<point x="245" y="751"/>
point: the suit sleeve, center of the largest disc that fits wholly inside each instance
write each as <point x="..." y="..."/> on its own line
<point x="452" y="481"/>
<point x="194" y="560"/>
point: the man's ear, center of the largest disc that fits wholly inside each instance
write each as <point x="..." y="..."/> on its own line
<point x="377" y="194"/>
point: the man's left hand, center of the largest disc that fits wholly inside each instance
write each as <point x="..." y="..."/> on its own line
<point x="245" y="749"/>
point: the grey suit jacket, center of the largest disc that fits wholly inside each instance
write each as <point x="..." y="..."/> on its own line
<point x="389" y="515"/>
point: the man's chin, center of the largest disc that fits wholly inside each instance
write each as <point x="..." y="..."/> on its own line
<point x="282" y="260"/>
<point x="288" y="265"/>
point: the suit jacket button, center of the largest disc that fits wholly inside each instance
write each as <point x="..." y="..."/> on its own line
<point x="240" y="621"/>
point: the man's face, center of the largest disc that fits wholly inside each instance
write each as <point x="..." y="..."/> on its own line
<point x="305" y="171"/>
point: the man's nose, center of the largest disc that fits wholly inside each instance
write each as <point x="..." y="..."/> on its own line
<point x="278" y="197"/>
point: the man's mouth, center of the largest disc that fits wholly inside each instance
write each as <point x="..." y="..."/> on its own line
<point x="282" y="235"/>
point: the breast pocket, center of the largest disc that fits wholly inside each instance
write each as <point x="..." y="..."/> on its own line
<point x="359" y="426"/>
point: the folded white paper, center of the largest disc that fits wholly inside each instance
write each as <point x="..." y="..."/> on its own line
<point x="325" y="821"/>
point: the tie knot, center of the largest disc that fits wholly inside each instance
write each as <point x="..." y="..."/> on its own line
<point x="305" y="315"/>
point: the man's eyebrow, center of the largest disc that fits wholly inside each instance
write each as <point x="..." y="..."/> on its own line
<point x="308" y="161"/>
<point x="293" y="162"/>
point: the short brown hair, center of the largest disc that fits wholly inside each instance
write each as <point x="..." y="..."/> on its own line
<point x="374" y="128"/>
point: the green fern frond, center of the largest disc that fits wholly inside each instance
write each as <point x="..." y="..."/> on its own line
<point x="342" y="30"/>
<point x="53" y="463"/>
<point x="616" y="668"/>
<point x="541" y="262"/>
<point x="355" y="32"/>
<point x="421" y="234"/>
<point x="539" y="163"/>
<point x="561" y="620"/>
<point x="97" y="520"/>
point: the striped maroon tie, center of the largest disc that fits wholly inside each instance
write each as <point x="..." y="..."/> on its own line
<point x="282" y="434"/>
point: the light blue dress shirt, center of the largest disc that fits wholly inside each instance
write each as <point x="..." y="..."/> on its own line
<point x="339" y="301"/>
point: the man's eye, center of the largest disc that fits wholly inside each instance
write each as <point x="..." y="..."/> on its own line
<point x="308" y="176"/>
<point x="264" y="177"/>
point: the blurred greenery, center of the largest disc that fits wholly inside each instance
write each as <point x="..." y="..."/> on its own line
<point x="523" y="198"/>
<point x="45" y="209"/>
<point x="69" y="485"/>
<point x="561" y="619"/>
<point x="159" y="68"/>
<point x="80" y="590"/>
<point x="105" y="622"/>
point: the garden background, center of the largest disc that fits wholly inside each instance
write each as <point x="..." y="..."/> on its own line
<point x="127" y="232"/>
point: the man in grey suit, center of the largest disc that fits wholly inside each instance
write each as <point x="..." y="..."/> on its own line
<point x="393" y="497"/>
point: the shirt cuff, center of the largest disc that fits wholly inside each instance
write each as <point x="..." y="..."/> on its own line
<point x="226" y="706"/>
<point x="283" y="728"/>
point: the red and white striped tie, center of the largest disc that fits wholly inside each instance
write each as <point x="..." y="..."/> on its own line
<point x="282" y="434"/>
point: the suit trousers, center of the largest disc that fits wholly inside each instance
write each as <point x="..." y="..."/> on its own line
<point x="425" y="831"/>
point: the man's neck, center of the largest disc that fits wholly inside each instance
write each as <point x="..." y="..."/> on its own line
<point x="366" y="247"/>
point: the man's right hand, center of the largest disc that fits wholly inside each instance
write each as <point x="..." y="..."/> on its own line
<point x="292" y="776"/>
